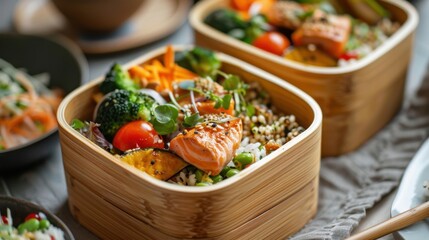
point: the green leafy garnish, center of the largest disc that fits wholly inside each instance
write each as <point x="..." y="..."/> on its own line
<point x="250" y="110"/>
<point x="223" y="102"/>
<point x="166" y="112"/>
<point x="165" y="119"/>
<point x="192" y="120"/>
<point x="233" y="83"/>
<point x="226" y="101"/>
<point x="77" y="124"/>
<point x="237" y="88"/>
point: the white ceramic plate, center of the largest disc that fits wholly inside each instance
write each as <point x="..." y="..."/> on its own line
<point x="410" y="194"/>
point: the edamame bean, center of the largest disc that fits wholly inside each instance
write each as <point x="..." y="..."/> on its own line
<point x="199" y="175"/>
<point x="44" y="223"/>
<point x="224" y="171"/>
<point x="202" y="184"/>
<point x="29" y="226"/>
<point x="217" y="178"/>
<point x="243" y="159"/>
<point x="232" y="172"/>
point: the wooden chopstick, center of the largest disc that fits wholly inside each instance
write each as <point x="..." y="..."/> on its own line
<point x="393" y="224"/>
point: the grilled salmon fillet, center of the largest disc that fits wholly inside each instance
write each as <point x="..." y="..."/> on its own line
<point x="286" y="14"/>
<point x="210" y="145"/>
<point x="329" y="32"/>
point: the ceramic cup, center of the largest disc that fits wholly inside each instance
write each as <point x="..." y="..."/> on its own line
<point x="97" y="16"/>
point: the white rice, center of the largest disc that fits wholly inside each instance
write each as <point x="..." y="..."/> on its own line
<point x="184" y="178"/>
<point x="254" y="148"/>
<point x="45" y="234"/>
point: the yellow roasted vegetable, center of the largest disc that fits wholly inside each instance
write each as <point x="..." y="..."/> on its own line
<point x="311" y="56"/>
<point x="158" y="163"/>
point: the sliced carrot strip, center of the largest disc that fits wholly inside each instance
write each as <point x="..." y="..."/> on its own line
<point x="169" y="57"/>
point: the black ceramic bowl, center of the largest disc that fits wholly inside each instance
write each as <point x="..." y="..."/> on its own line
<point x="67" y="68"/>
<point x="20" y="209"/>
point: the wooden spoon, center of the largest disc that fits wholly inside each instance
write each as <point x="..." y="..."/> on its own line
<point x="393" y="224"/>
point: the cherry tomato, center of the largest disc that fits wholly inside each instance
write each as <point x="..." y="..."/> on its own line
<point x="4" y="219"/>
<point x="33" y="215"/>
<point x="349" y="55"/>
<point x="272" y="42"/>
<point x="137" y="134"/>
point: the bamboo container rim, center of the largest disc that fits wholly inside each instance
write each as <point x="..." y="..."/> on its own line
<point x="198" y="13"/>
<point x="317" y="121"/>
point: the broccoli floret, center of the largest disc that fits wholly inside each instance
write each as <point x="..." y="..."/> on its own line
<point x="199" y="60"/>
<point x="230" y="22"/>
<point x="121" y="107"/>
<point x="225" y="20"/>
<point x="117" y="78"/>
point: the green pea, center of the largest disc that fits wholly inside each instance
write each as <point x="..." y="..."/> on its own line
<point x="243" y="159"/>
<point x="224" y="171"/>
<point x="202" y="184"/>
<point x="29" y="226"/>
<point x="232" y="172"/>
<point x="199" y="175"/>
<point x="44" y="224"/>
<point x="217" y="178"/>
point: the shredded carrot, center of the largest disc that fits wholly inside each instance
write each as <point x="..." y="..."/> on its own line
<point x="34" y="118"/>
<point x="161" y="75"/>
<point x="138" y="72"/>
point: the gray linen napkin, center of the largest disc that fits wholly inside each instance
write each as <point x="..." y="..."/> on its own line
<point x="351" y="184"/>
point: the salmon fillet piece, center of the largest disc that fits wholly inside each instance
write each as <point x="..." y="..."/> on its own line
<point x="329" y="32"/>
<point x="208" y="107"/>
<point x="209" y="146"/>
<point x="286" y="14"/>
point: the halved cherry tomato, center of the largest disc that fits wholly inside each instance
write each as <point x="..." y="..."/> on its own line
<point x="33" y="215"/>
<point x="4" y="219"/>
<point x="272" y="42"/>
<point x="137" y="134"/>
<point x="349" y="55"/>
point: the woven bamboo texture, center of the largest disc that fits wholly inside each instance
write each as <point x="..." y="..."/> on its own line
<point x="356" y="100"/>
<point x="278" y="193"/>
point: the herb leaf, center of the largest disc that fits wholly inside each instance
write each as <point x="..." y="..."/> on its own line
<point x="77" y="124"/>
<point x="226" y="101"/>
<point x="165" y="128"/>
<point x="250" y="110"/>
<point x="232" y="82"/>
<point x="164" y="113"/>
<point x="165" y="117"/>
<point x="192" y="120"/>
